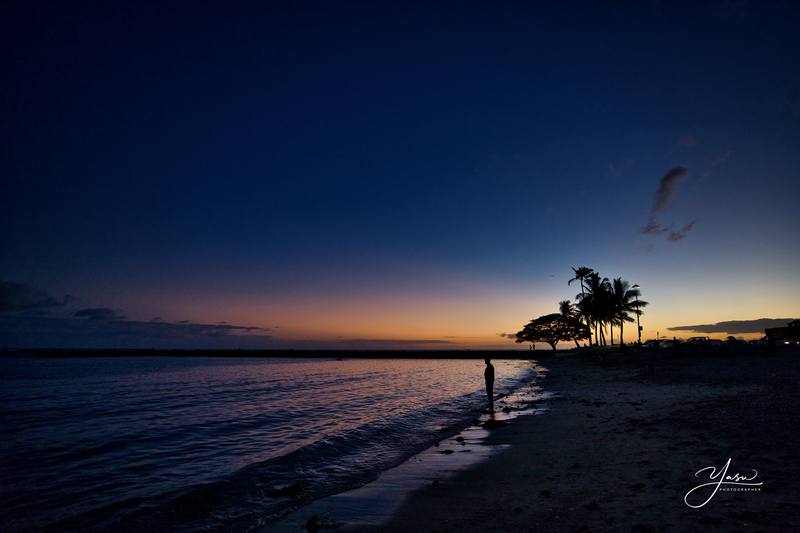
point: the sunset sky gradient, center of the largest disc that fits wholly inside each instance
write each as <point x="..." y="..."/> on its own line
<point x="384" y="176"/>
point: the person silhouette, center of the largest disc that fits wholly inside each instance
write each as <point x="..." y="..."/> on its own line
<point x="488" y="375"/>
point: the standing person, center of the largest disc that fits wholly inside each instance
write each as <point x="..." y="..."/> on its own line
<point x="488" y="375"/>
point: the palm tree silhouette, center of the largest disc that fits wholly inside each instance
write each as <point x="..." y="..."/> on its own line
<point x="601" y="302"/>
<point x="567" y="309"/>
<point x="581" y="273"/>
<point x="594" y="301"/>
<point x="624" y="300"/>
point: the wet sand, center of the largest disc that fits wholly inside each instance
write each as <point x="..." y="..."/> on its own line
<point x="619" y="449"/>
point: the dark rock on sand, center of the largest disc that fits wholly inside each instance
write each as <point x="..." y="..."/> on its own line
<point x="312" y="524"/>
<point x="459" y="439"/>
<point x="446" y="452"/>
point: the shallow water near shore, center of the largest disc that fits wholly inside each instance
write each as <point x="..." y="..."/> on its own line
<point x="371" y="506"/>
<point x="204" y="443"/>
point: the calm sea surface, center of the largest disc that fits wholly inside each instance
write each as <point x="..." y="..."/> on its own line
<point x="203" y="443"/>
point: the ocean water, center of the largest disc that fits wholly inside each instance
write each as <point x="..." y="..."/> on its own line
<point x="188" y="444"/>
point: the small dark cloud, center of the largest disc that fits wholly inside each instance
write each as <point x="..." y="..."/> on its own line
<point x="680" y="234"/>
<point x="20" y="298"/>
<point x="737" y="326"/>
<point x="508" y="335"/>
<point x="99" y="313"/>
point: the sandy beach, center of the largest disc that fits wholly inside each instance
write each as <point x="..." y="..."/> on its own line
<point x="621" y="445"/>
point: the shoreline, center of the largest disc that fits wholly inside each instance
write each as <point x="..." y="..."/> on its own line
<point x="460" y="448"/>
<point x="620" y="445"/>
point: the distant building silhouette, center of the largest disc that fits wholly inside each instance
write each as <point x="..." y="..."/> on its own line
<point x="782" y="336"/>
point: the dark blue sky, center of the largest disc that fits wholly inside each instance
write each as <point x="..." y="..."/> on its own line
<point x="273" y="165"/>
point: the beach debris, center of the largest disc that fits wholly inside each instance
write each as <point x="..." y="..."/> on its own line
<point x="459" y="439"/>
<point x="289" y="490"/>
<point x="446" y="452"/>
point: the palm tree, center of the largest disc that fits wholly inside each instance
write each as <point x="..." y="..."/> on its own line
<point x="624" y="300"/>
<point x="594" y="301"/>
<point x="567" y="309"/>
<point x="581" y="273"/>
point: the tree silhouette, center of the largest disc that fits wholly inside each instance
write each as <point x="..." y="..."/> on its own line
<point x="567" y="309"/>
<point x="552" y="329"/>
<point x="581" y="273"/>
<point x="601" y="302"/>
<point x="624" y="300"/>
<point x="594" y="302"/>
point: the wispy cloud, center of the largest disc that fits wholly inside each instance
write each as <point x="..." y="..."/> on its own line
<point x="651" y="228"/>
<point x="679" y="234"/>
<point x="662" y="197"/>
<point x="99" y="313"/>
<point x="32" y="318"/>
<point x="667" y="186"/>
<point x="722" y="158"/>
<point x="21" y="331"/>
<point x="733" y="327"/>
<point x="718" y="162"/>
<point x="20" y="298"/>
<point x="683" y="142"/>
